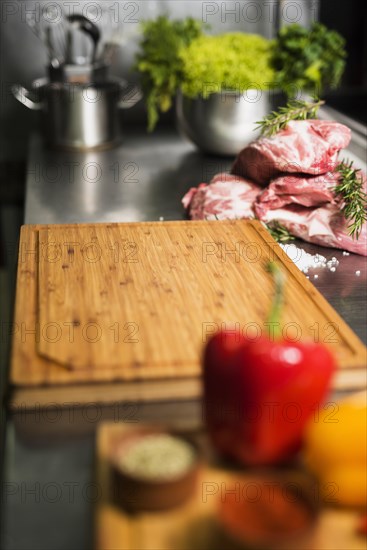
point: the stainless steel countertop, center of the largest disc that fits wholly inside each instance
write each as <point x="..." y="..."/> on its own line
<point x="143" y="179"/>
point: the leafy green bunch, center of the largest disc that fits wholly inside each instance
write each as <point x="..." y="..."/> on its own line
<point x="233" y="61"/>
<point x="159" y="63"/>
<point x="309" y="59"/>
<point x="176" y="55"/>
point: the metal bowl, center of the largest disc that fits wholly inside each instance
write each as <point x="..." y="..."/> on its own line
<point x="225" y="122"/>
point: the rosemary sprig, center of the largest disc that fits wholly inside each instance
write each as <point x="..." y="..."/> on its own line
<point x="279" y="232"/>
<point x="350" y="190"/>
<point x="294" y="110"/>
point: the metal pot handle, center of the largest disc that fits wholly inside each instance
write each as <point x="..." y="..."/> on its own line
<point x="130" y="94"/>
<point x="22" y="95"/>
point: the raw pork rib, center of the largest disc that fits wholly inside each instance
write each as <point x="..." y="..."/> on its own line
<point x="322" y="224"/>
<point x="226" y="197"/>
<point x="304" y="146"/>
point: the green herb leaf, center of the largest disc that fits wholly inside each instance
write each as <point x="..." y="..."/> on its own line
<point x="234" y="61"/>
<point x="311" y="59"/>
<point x="274" y="316"/>
<point x="159" y="63"/>
<point x="294" y="110"/>
<point x="279" y="232"/>
<point x="350" y="190"/>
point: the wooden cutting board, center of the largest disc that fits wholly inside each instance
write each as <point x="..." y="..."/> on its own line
<point x="193" y="525"/>
<point x="127" y="303"/>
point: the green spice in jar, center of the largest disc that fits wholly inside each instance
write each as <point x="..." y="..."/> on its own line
<point x="157" y="457"/>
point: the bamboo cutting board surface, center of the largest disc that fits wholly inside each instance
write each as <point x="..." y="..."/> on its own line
<point x="193" y="525"/>
<point x="132" y="303"/>
<point x="135" y="302"/>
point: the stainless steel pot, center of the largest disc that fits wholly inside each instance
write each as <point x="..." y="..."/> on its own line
<point x="79" y="116"/>
<point x="225" y="122"/>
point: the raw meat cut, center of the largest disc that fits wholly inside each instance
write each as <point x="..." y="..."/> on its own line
<point x="324" y="225"/>
<point x="304" y="146"/>
<point x="298" y="165"/>
<point x="297" y="189"/>
<point x="226" y="197"/>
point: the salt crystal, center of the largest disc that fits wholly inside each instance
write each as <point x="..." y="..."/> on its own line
<point x="161" y="218"/>
<point x="315" y="276"/>
<point x="358" y="273"/>
<point x="305" y="261"/>
<point x="345" y="253"/>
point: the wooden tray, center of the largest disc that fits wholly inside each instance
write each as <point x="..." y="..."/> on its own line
<point x="129" y="306"/>
<point x="191" y="526"/>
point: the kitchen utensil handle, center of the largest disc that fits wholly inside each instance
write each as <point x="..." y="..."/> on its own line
<point x="130" y="94"/>
<point x="84" y="24"/>
<point x="22" y="95"/>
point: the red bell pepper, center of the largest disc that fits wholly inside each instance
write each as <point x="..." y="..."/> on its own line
<point x="258" y="395"/>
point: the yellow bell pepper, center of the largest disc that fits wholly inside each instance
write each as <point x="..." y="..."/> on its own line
<point x="336" y="450"/>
